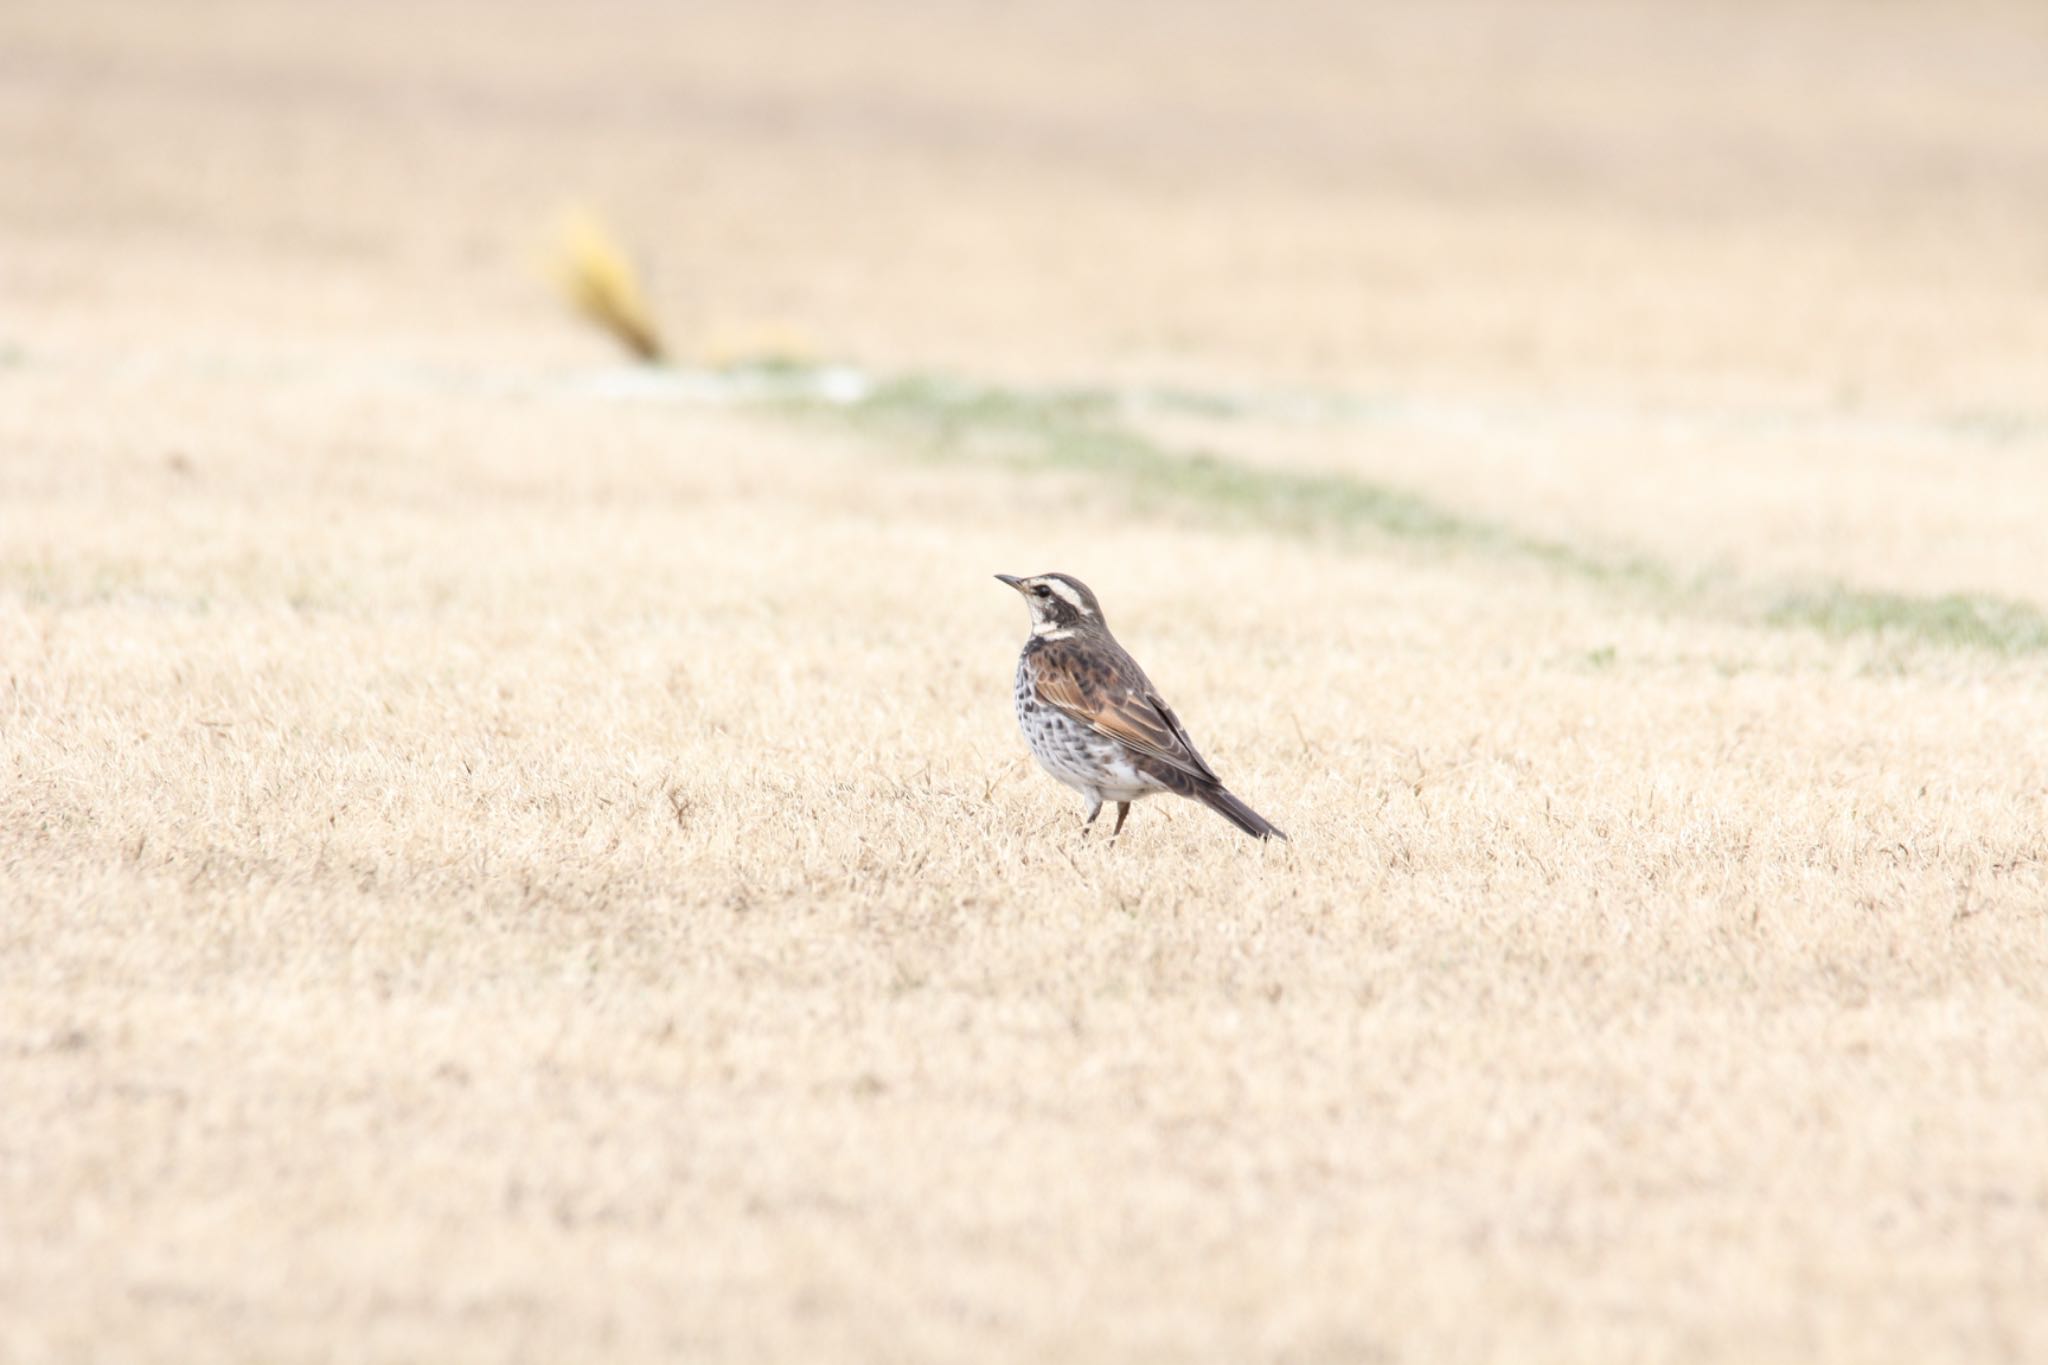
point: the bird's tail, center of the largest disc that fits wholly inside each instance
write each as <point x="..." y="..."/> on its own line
<point x="1237" y="813"/>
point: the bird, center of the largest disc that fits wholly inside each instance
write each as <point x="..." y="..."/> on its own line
<point x="1095" y="721"/>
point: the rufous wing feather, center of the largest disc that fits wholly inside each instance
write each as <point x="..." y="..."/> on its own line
<point x="1128" y="715"/>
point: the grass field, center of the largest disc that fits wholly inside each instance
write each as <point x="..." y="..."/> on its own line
<point x="510" y="855"/>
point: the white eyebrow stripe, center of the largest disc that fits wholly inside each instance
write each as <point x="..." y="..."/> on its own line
<point x="1073" y="598"/>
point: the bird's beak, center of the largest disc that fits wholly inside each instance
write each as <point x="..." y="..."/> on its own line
<point x="1016" y="583"/>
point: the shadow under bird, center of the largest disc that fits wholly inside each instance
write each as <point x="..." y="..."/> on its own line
<point x="1094" y="720"/>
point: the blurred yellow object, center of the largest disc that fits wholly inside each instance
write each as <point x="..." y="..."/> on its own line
<point x="594" y="271"/>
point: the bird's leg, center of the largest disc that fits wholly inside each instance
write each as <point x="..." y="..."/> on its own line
<point x="1094" y="809"/>
<point x="1123" y="809"/>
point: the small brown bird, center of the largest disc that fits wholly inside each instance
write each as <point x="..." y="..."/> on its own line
<point x="1094" y="720"/>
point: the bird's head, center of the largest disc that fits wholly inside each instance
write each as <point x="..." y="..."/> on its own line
<point x="1057" y="602"/>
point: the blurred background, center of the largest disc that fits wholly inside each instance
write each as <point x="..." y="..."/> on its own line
<point x="508" y="850"/>
<point x="1821" y="202"/>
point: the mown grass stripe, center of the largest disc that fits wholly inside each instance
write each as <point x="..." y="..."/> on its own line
<point x="1956" y="619"/>
<point x="1084" y="431"/>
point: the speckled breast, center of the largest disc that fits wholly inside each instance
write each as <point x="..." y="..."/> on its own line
<point x="1069" y="750"/>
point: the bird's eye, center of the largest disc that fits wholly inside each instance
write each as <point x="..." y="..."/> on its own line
<point x="1042" y="591"/>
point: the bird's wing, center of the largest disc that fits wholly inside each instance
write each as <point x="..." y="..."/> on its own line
<point x="1118" y="702"/>
<point x="1180" y="732"/>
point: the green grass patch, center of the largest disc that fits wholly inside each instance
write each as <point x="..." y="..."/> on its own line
<point x="1085" y="431"/>
<point x="1089" y="431"/>
<point x="1957" y="619"/>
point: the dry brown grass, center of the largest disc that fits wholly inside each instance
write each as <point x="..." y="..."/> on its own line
<point x="496" y="872"/>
